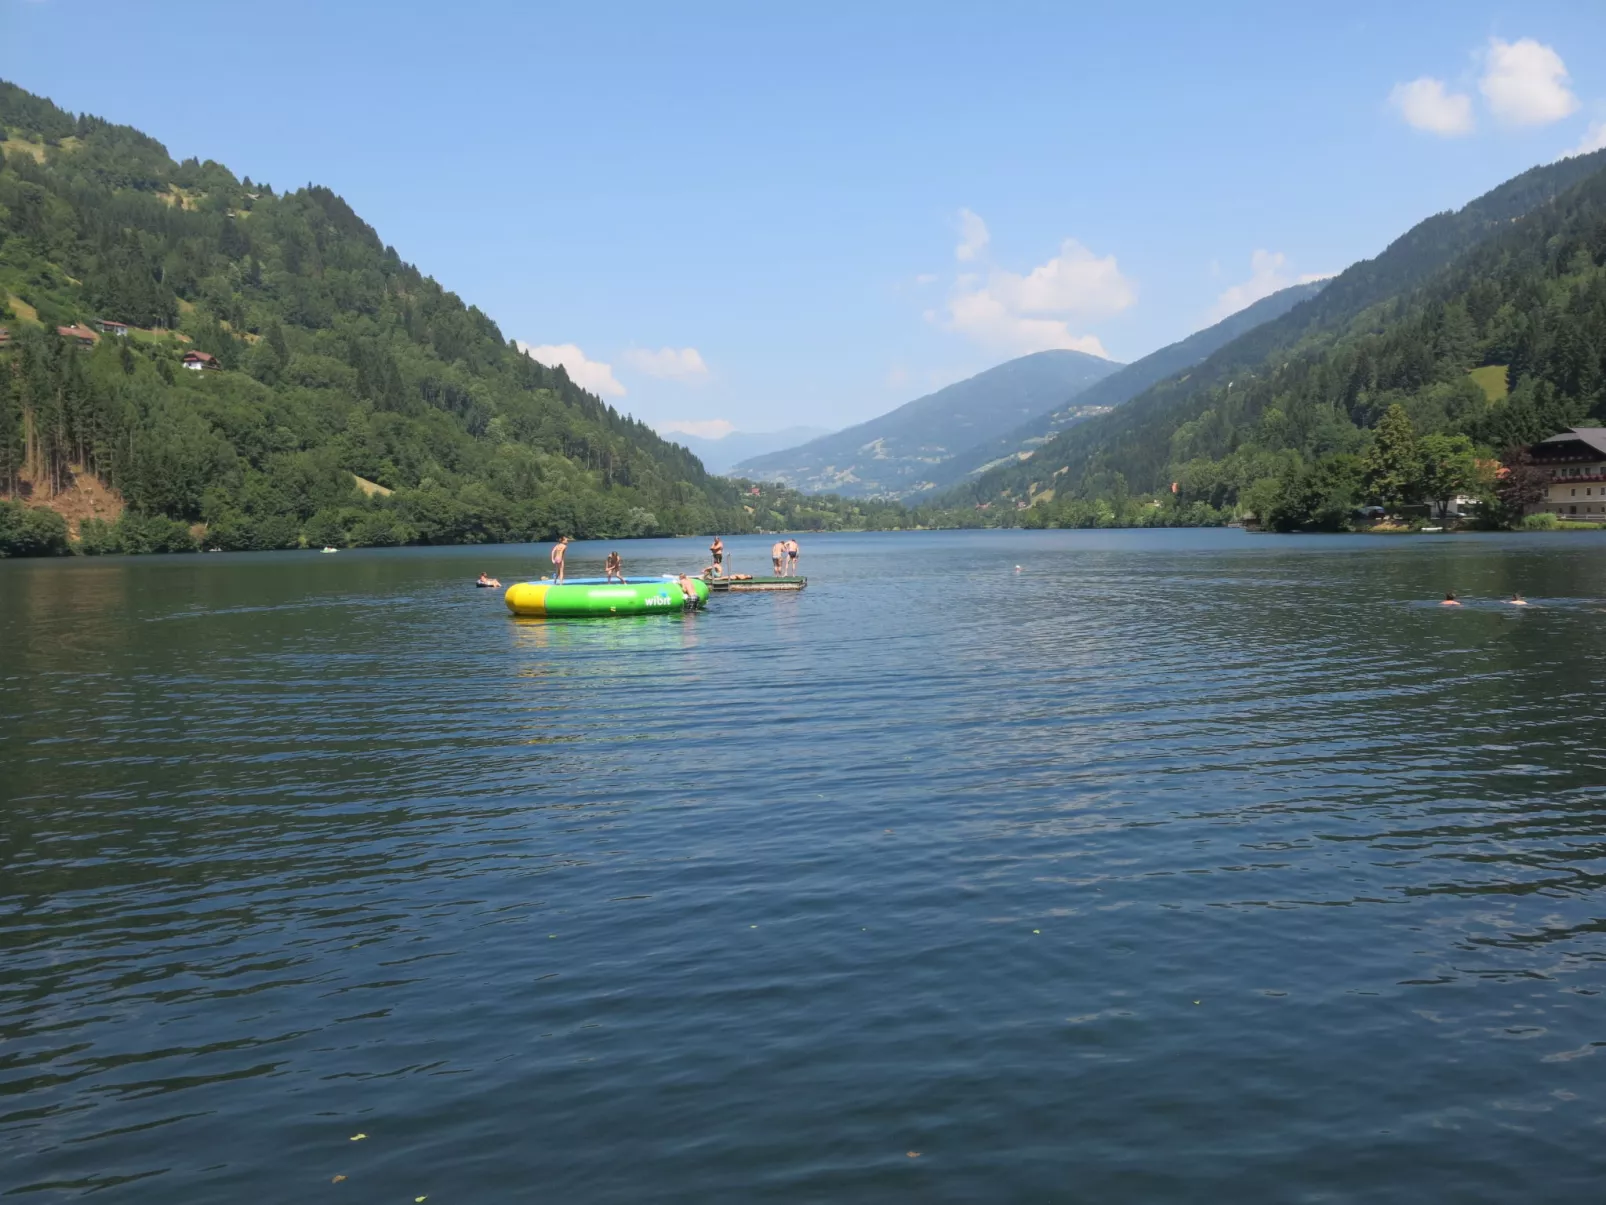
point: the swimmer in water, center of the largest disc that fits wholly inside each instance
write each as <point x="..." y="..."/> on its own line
<point x="1518" y="600"/>
<point x="1450" y="600"/>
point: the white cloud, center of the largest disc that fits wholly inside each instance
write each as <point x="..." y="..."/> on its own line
<point x="1029" y="313"/>
<point x="1425" y="105"/>
<point x="985" y="318"/>
<point x="1525" y="83"/>
<point x="586" y="373"/>
<point x="1074" y="282"/>
<point x="675" y="363"/>
<point x="1594" y="139"/>
<point x="973" y="236"/>
<point x="702" y="428"/>
<point x="926" y="278"/>
<point x="1268" y="274"/>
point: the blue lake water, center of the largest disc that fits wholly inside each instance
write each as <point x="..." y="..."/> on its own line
<point x="1177" y="866"/>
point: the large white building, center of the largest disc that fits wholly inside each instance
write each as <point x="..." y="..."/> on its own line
<point x="1576" y="461"/>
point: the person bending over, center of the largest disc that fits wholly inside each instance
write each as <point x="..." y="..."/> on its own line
<point x="614" y="567"/>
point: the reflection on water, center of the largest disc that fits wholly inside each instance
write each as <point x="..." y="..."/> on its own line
<point x="1179" y="866"/>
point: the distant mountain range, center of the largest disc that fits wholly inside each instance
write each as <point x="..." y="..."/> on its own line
<point x="720" y="455"/>
<point x="1477" y="288"/>
<point x="1104" y="395"/>
<point x="902" y="452"/>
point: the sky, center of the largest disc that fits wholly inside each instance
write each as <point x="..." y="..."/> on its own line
<point x="751" y="217"/>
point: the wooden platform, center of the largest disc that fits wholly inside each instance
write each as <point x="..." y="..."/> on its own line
<point x="743" y="585"/>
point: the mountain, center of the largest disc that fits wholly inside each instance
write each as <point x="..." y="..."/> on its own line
<point x="1104" y="395"/>
<point x="1138" y="447"/>
<point x="204" y="356"/>
<point x="897" y="453"/>
<point x="720" y="455"/>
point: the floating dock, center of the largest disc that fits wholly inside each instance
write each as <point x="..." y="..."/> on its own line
<point x="736" y="585"/>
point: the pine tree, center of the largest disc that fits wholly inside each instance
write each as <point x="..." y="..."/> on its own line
<point x="1392" y="468"/>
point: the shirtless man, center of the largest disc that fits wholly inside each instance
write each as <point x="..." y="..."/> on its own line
<point x="614" y="567"/>
<point x="777" y="555"/>
<point x="688" y="591"/>
<point x="717" y="548"/>
<point x="558" y="549"/>
<point x="791" y="557"/>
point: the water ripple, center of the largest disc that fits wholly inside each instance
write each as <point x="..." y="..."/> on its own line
<point x="1177" y="866"/>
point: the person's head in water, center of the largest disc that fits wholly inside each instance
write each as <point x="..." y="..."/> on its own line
<point x="1450" y="600"/>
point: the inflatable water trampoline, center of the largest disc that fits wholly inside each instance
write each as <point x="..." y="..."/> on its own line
<point x="603" y="598"/>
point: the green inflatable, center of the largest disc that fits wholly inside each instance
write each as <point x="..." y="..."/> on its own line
<point x="592" y="598"/>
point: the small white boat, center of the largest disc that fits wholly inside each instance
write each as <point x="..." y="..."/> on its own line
<point x="331" y="550"/>
<point x="1425" y="531"/>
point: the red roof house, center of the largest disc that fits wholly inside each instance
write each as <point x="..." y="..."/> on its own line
<point x="78" y="334"/>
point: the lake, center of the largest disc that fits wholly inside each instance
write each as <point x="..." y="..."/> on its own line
<point x="1178" y="866"/>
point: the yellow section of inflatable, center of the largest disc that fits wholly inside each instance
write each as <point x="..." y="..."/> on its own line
<point x="526" y="598"/>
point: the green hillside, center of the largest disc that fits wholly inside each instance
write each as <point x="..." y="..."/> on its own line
<point x="1117" y="388"/>
<point x="1480" y="287"/>
<point x="898" y="453"/>
<point x="334" y="359"/>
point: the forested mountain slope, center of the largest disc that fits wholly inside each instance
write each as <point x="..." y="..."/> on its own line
<point x="331" y="359"/>
<point x="897" y="453"/>
<point x="1104" y="395"/>
<point x="1136" y="447"/>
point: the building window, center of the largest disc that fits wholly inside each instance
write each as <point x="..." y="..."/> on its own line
<point x="1572" y="493"/>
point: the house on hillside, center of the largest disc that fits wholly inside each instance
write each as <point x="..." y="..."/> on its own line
<point x="109" y="327"/>
<point x="199" y="360"/>
<point x="79" y="334"/>
<point x="1576" y="463"/>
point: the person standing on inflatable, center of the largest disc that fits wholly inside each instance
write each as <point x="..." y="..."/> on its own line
<point x="614" y="567"/>
<point x="791" y="557"/>
<point x="717" y="549"/>
<point x="558" y="549"/>
<point x="777" y="555"/>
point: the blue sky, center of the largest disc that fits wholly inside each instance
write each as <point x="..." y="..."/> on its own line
<point x="767" y="215"/>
